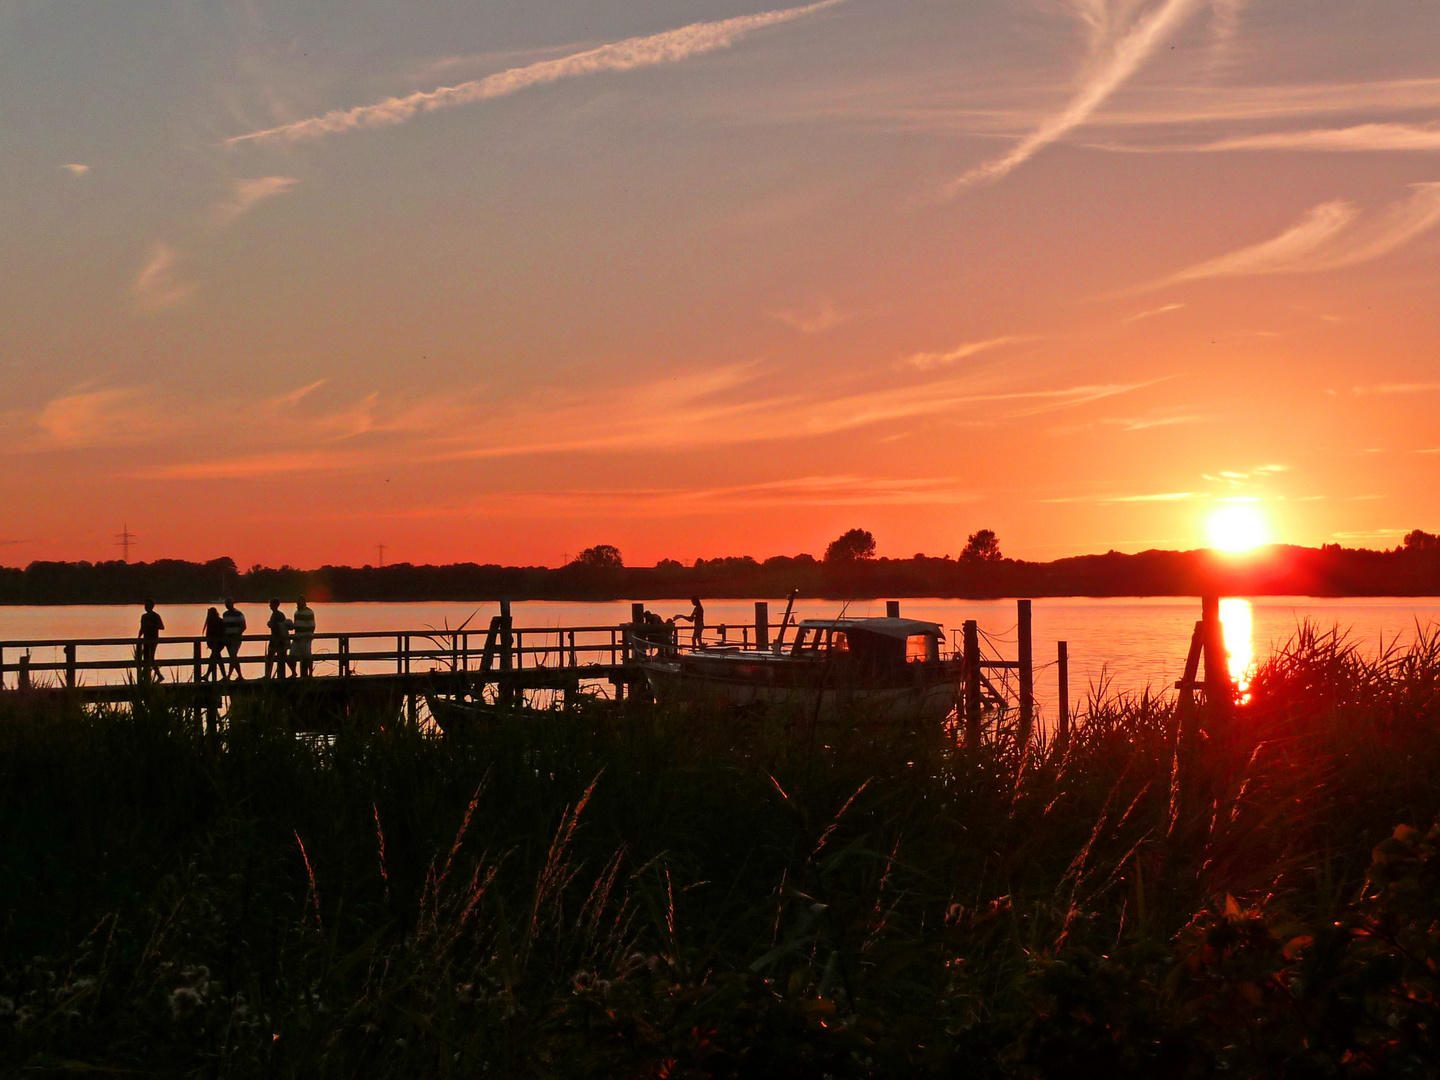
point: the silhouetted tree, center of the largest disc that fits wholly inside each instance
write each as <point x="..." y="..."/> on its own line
<point x="983" y="546"/>
<point x="600" y="556"/>
<point x="850" y="546"/>
<point x="1419" y="540"/>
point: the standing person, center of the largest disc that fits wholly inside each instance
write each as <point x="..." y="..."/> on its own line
<point x="150" y="626"/>
<point x="278" y="645"/>
<point x="234" y="623"/>
<point x="696" y="619"/>
<point x="215" y="640"/>
<point x="304" y="623"/>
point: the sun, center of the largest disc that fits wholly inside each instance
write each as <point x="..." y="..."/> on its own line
<point x="1237" y="528"/>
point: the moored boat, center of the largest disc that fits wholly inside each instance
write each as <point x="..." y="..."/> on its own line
<point x="882" y="668"/>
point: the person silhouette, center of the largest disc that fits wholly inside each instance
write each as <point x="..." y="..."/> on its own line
<point x="696" y="619"/>
<point x="150" y="626"/>
<point x="215" y="640"/>
<point x="234" y="623"/>
<point x="278" y="645"/>
<point x="304" y="624"/>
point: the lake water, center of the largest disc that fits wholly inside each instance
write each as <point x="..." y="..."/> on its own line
<point x="1135" y="642"/>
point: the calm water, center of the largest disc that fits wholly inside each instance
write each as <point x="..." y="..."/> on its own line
<point x="1134" y="642"/>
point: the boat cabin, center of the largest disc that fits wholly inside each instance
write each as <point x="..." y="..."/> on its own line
<point x="870" y="643"/>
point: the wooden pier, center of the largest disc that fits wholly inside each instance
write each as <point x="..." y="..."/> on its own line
<point x="401" y="666"/>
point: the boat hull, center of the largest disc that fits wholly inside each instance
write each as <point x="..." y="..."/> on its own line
<point x="927" y="695"/>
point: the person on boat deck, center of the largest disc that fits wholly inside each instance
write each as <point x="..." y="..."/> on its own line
<point x="304" y="624"/>
<point x="278" y="645"/>
<point x="696" y="619"/>
<point x="234" y="623"/>
<point x="215" y="640"/>
<point x="150" y="626"/>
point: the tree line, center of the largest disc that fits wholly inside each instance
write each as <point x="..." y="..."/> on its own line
<point x="850" y="571"/>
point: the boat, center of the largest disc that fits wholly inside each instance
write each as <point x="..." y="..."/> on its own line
<point x="880" y="668"/>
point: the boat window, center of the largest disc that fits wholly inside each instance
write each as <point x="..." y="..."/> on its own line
<point x="921" y="649"/>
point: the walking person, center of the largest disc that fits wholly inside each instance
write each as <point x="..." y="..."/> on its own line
<point x="233" y="622"/>
<point x="215" y="641"/>
<point x="150" y="626"/>
<point x="278" y="645"/>
<point x="696" y="619"/>
<point x="304" y="623"/>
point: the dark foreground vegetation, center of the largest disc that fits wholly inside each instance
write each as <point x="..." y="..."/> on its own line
<point x="1281" y="570"/>
<point x="645" y="894"/>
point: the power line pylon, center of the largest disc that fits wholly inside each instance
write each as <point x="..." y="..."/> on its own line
<point x="125" y="540"/>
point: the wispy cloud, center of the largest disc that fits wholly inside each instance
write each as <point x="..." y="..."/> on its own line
<point x="925" y="361"/>
<point x="668" y="47"/>
<point x="1358" y="138"/>
<point x="91" y="418"/>
<point x="246" y="193"/>
<point x="814" y="320"/>
<point x="158" y="285"/>
<point x="1162" y="310"/>
<point x="75" y="169"/>
<point x="1161" y="497"/>
<point x="1325" y="240"/>
<point x="1116" y="65"/>
<point x="1399" y="388"/>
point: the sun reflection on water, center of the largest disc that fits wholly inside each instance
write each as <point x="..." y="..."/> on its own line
<point x="1237" y="624"/>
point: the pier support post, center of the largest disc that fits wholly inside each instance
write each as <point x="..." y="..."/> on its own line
<point x="972" y="682"/>
<point x="70" y="665"/>
<point x="507" y="654"/>
<point x="24" y="672"/>
<point x="1218" y="689"/>
<point x="1024" y="636"/>
<point x="762" y="625"/>
<point x="1062" y="668"/>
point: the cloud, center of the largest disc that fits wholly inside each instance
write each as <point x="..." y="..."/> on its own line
<point x="815" y="321"/>
<point x="1163" y="309"/>
<point x="158" y="286"/>
<point x="75" y="169"/>
<point x="1399" y="388"/>
<point x="925" y="361"/>
<point x="1125" y="58"/>
<point x="668" y="47"/>
<point x="91" y="418"/>
<point x="1164" y="496"/>
<point x="246" y="193"/>
<point x="1325" y="240"/>
<point x="1355" y="139"/>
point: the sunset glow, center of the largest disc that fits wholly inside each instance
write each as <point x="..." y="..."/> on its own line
<point x="715" y="277"/>
<point x="1237" y="529"/>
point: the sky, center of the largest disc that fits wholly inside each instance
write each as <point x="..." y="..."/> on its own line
<point x="497" y="280"/>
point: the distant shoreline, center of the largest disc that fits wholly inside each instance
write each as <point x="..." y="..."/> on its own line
<point x="1322" y="573"/>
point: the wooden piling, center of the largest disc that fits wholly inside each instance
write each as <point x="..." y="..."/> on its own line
<point x="1024" y="632"/>
<point x="971" y="638"/>
<point x="892" y="609"/>
<point x="762" y="625"/>
<point x="70" y="664"/>
<point x="1218" y="689"/>
<point x="23" y="672"/>
<point x="1062" y="669"/>
<point x="507" y="655"/>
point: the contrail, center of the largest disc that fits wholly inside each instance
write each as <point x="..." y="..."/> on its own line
<point x="1124" y="60"/>
<point x="668" y="47"/>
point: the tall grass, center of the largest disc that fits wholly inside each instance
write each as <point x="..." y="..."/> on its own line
<point x="645" y="892"/>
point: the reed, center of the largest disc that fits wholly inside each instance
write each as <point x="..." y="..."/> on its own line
<point x="645" y="892"/>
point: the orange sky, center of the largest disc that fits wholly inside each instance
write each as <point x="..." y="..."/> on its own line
<point x="498" y="281"/>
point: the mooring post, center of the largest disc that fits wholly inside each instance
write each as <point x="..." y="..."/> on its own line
<point x="1062" y="669"/>
<point x="24" y="672"/>
<point x="892" y="609"/>
<point x="1218" y="690"/>
<point x="198" y="674"/>
<point x="573" y="662"/>
<point x="70" y="664"/>
<point x="507" y="653"/>
<point x="1024" y="627"/>
<point x="972" y="682"/>
<point x="762" y="625"/>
